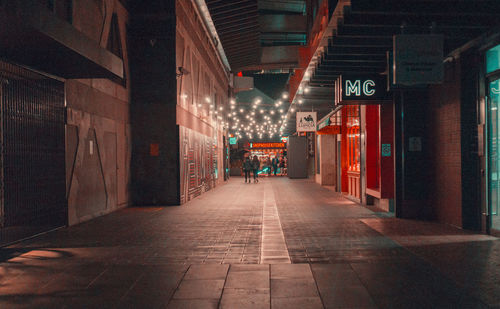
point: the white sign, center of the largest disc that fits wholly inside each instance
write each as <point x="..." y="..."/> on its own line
<point x="355" y="88"/>
<point x="306" y="121"/>
<point x="418" y="59"/>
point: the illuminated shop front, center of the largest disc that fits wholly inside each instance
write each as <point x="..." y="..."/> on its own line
<point x="267" y="150"/>
<point x="350" y="153"/>
<point x="366" y="167"/>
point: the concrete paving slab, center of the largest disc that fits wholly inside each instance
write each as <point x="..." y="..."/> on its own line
<point x="199" y="289"/>
<point x="297" y="303"/>
<point x="193" y="304"/>
<point x="292" y="271"/>
<point x="293" y="288"/>
<point x="139" y="256"/>
<point x="205" y="272"/>
<point x="245" y="299"/>
<point x="248" y="280"/>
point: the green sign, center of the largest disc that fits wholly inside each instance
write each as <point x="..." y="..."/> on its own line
<point x="386" y="150"/>
<point x="232" y="140"/>
<point x="324" y="124"/>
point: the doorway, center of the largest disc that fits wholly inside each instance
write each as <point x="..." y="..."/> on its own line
<point x="493" y="152"/>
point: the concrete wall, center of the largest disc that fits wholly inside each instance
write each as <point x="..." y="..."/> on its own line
<point x="327" y="155"/>
<point x="200" y="94"/>
<point x="155" y="135"/>
<point x="98" y="126"/>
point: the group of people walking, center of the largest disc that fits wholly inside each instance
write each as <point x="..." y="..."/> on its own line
<point x="253" y="165"/>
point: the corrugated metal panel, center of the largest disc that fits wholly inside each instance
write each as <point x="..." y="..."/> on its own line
<point x="237" y="25"/>
<point x="33" y="153"/>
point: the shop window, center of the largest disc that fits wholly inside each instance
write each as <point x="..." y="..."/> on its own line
<point x="493" y="59"/>
<point x="353" y="154"/>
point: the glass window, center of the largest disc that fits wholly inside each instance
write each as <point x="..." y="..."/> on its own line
<point x="493" y="59"/>
<point x="493" y="152"/>
<point x="353" y="138"/>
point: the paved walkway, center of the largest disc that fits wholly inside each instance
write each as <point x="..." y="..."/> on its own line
<point x="277" y="244"/>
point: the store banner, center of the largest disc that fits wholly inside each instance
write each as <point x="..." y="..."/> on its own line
<point x="418" y="59"/>
<point x="306" y="121"/>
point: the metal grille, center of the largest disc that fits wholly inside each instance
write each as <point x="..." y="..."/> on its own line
<point x="33" y="153"/>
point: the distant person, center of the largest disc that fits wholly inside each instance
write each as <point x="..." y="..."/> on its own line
<point x="282" y="166"/>
<point x="274" y="162"/>
<point x="247" y="167"/>
<point x="285" y="163"/>
<point x="268" y="164"/>
<point x="255" y="167"/>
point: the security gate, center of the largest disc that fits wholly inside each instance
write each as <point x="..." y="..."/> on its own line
<point x="32" y="141"/>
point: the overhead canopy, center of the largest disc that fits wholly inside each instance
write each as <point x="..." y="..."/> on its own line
<point x="260" y="34"/>
<point x="363" y="34"/>
<point x="31" y="35"/>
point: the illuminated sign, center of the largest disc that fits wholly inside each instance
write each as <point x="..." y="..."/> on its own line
<point x="232" y="140"/>
<point x="306" y="121"/>
<point x="360" y="89"/>
<point x="267" y="145"/>
<point x="284" y="139"/>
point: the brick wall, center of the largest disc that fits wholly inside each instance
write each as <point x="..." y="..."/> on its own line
<point x="445" y="143"/>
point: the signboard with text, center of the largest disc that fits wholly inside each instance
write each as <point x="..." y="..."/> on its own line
<point x="360" y="89"/>
<point x="267" y="145"/>
<point x="306" y="121"/>
<point x="418" y="59"/>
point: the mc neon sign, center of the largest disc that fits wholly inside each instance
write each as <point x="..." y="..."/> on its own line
<point x="360" y="89"/>
<point x="354" y="87"/>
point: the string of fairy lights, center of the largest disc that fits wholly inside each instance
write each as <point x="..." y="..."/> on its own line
<point x="259" y="119"/>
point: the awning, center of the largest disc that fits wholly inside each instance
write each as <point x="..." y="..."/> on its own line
<point x="325" y="121"/>
<point x="325" y="125"/>
<point x="33" y="36"/>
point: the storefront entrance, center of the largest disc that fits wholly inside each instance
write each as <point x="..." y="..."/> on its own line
<point x="493" y="197"/>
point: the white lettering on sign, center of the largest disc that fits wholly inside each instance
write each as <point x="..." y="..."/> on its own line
<point x="352" y="88"/>
<point x="368" y="88"/>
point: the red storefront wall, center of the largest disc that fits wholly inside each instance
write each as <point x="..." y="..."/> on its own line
<point x="379" y="167"/>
